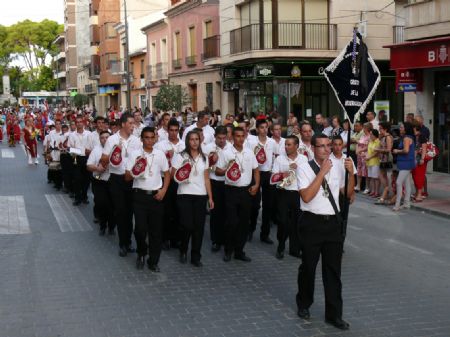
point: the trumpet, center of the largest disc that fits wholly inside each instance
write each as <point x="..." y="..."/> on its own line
<point x="287" y="181"/>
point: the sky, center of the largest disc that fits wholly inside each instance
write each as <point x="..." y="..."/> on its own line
<point x="13" y="11"/>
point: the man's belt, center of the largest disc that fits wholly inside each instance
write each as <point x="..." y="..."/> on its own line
<point x="147" y="192"/>
<point x="326" y="217"/>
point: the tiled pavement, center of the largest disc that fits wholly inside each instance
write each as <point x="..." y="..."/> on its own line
<point x="72" y="283"/>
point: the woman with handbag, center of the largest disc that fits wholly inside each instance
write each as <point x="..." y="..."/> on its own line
<point x="386" y="161"/>
<point x="419" y="172"/>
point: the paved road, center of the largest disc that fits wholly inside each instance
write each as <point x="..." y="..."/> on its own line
<point x="59" y="278"/>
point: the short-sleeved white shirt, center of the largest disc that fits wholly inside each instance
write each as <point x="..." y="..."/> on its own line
<point x="280" y="147"/>
<point x="246" y="161"/>
<point x="305" y="149"/>
<point x="53" y="141"/>
<point x="269" y="148"/>
<point x="94" y="159"/>
<point x="208" y="133"/>
<point x="79" y="141"/>
<point x="156" y="164"/>
<point x="212" y="147"/>
<point x="196" y="184"/>
<point x="282" y="164"/>
<point x="320" y="204"/>
<point x="163" y="134"/>
<point x="94" y="140"/>
<point x="339" y="163"/>
<point x="128" y="146"/>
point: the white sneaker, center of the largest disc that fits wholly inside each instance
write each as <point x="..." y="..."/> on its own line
<point x="366" y="191"/>
<point x="36" y="161"/>
<point x="357" y="189"/>
<point x="30" y="162"/>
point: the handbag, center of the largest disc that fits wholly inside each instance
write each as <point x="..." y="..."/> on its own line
<point x="340" y="219"/>
<point x="431" y="152"/>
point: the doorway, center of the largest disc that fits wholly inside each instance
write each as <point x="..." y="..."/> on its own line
<point x="442" y="121"/>
<point x="193" y="92"/>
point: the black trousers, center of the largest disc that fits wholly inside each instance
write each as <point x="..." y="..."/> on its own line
<point x="321" y="236"/>
<point x="218" y="213"/>
<point x="148" y="218"/>
<point x="67" y="171"/>
<point x="266" y="193"/>
<point x="288" y="210"/>
<point x="122" y="200"/>
<point x="192" y="212"/>
<point x="55" y="176"/>
<point x="238" y="204"/>
<point x="103" y="203"/>
<point x="172" y="231"/>
<point x="81" y="178"/>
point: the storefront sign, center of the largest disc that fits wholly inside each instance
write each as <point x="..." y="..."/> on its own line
<point x="296" y="72"/>
<point x="380" y="106"/>
<point x="407" y="80"/>
<point x="229" y="73"/>
<point x="264" y="70"/>
<point x="230" y="86"/>
<point x="421" y="54"/>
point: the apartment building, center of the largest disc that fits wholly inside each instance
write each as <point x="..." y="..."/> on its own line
<point x="60" y="73"/>
<point x="70" y="44"/>
<point x="193" y="30"/>
<point x="272" y="52"/>
<point x="421" y="59"/>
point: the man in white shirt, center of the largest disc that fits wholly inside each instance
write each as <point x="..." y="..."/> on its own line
<point x="78" y="143"/>
<point x="276" y="136"/>
<point x="321" y="230"/>
<point x="115" y="154"/>
<point x="163" y="132"/>
<point x="100" y="176"/>
<point x="217" y="214"/>
<point x="263" y="147"/>
<point x="327" y="128"/>
<point x="54" y="139"/>
<point x="138" y="125"/>
<point x="66" y="161"/>
<point x="202" y="123"/>
<point x="371" y="118"/>
<point x="149" y="190"/>
<point x="170" y="147"/>
<point x="94" y="137"/>
<point x="287" y="198"/>
<point x="238" y="164"/>
<point x="305" y="146"/>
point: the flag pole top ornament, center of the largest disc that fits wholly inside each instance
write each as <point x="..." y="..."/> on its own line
<point x="353" y="76"/>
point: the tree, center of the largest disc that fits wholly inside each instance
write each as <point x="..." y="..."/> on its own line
<point x="171" y="97"/>
<point x="5" y="50"/>
<point x="80" y="100"/>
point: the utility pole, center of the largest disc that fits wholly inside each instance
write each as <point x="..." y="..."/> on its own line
<point x="127" y="58"/>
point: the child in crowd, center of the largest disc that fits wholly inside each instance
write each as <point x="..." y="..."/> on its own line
<point x="373" y="164"/>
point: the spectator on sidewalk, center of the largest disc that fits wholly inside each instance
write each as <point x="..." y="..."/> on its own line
<point x="373" y="164"/>
<point x="419" y="172"/>
<point x="361" y="154"/>
<point x="386" y="164"/>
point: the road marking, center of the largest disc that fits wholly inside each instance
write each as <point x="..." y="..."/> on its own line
<point x="8" y="153"/>
<point x="355" y="227"/>
<point x="351" y="244"/>
<point x="13" y="215"/>
<point x="420" y="250"/>
<point x="68" y="217"/>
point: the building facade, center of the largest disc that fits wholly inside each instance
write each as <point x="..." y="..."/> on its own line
<point x="273" y="50"/>
<point x="70" y="44"/>
<point x="422" y="65"/>
<point x="59" y="71"/>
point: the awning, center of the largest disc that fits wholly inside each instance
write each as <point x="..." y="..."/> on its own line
<point x="430" y="53"/>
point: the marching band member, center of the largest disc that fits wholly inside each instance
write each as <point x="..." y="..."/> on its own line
<point x="66" y="161"/>
<point x="202" y="123"/>
<point x="115" y="154"/>
<point x="321" y="182"/>
<point x="190" y="170"/>
<point x="218" y="214"/>
<point x="237" y="163"/>
<point x="138" y="125"/>
<point x="144" y="168"/>
<point x="171" y="146"/>
<point x="94" y="137"/>
<point x="305" y="146"/>
<point x="78" y="142"/>
<point x="29" y="136"/>
<point x="263" y="147"/>
<point x="163" y="133"/>
<point x="279" y="141"/>
<point x="100" y="189"/>
<point x="54" y="165"/>
<point x="284" y="175"/>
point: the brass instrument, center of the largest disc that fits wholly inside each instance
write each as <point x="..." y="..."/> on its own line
<point x="287" y="181"/>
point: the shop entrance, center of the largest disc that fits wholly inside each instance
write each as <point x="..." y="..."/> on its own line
<point x="442" y="121"/>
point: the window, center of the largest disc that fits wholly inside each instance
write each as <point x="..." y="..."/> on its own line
<point x="191" y="41"/>
<point x="163" y="50"/>
<point x="249" y="13"/>
<point x="142" y="69"/>
<point x="131" y="70"/>
<point x="177" y="46"/>
<point x="153" y="53"/>
<point x="110" y="32"/>
<point x="208" y="29"/>
<point x="112" y="62"/>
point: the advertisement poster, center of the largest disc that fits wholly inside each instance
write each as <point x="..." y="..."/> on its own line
<point x="381" y="106"/>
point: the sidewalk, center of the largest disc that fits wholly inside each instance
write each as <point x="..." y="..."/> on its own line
<point x="438" y="201"/>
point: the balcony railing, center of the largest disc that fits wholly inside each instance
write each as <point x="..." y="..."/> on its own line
<point x="191" y="60"/>
<point x="211" y="47"/>
<point x="283" y="36"/>
<point x="90" y="88"/>
<point x="157" y="72"/>
<point x="176" y="64"/>
<point x="399" y="34"/>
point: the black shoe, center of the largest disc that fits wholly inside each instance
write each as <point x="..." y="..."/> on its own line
<point x="297" y="255"/>
<point x="72" y="195"/>
<point x="96" y="220"/>
<point x="130" y="249"/>
<point x="183" y="258"/>
<point x="266" y="240"/>
<point x="242" y="257"/>
<point x="250" y="237"/>
<point x="111" y="231"/>
<point x="338" y="323"/>
<point x="102" y="231"/>
<point x="76" y="203"/>
<point x="215" y="247"/>
<point x="85" y="201"/>
<point x="197" y="264"/>
<point x="140" y="262"/>
<point x="280" y="254"/>
<point x="123" y="251"/>
<point x="303" y="313"/>
<point x="227" y="257"/>
<point x="154" y="268"/>
<point x="165" y="245"/>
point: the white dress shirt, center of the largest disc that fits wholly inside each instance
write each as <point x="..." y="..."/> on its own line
<point x="156" y="164"/>
<point x="246" y="161"/>
<point x="54" y="138"/>
<point x="305" y="149"/>
<point x="269" y="148"/>
<point x="163" y="134"/>
<point x="208" y="133"/>
<point x="79" y="141"/>
<point x="282" y="164"/>
<point x="94" y="140"/>
<point x="212" y="147"/>
<point x="138" y="129"/>
<point x="279" y="147"/>
<point x="94" y="159"/>
<point x="196" y="184"/>
<point x="339" y="163"/>
<point x="128" y="146"/>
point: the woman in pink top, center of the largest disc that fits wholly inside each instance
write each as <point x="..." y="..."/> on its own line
<point x="361" y="153"/>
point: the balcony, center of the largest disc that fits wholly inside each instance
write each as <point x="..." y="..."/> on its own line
<point x="191" y="60"/>
<point x="211" y="47"/>
<point x="283" y="36"/>
<point x="60" y="56"/>
<point x="398" y="34"/>
<point x="176" y="64"/>
<point x="94" y="35"/>
<point x="157" y="72"/>
<point x="94" y="68"/>
<point x="90" y="88"/>
<point x="60" y="74"/>
<point x="93" y="7"/>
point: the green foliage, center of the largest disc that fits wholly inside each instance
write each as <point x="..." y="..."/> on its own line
<point x="80" y="100"/>
<point x="171" y="97"/>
